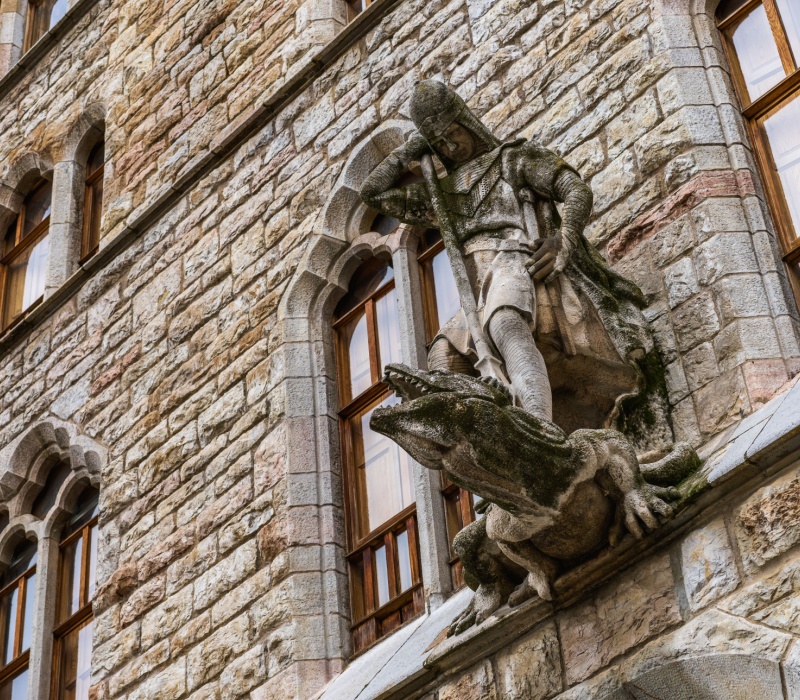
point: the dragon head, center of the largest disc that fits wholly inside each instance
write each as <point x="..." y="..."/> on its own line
<point x="412" y="384"/>
<point x="426" y="424"/>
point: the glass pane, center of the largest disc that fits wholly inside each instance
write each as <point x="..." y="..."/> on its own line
<point x="404" y="561"/>
<point x="784" y="141"/>
<point x="367" y="280"/>
<point x="69" y="585"/>
<point x="758" y="53"/>
<point x="8" y="610"/>
<point x="727" y="8"/>
<point x="95" y="193"/>
<point x="27" y="618"/>
<point x="382" y="575"/>
<point x="388" y="328"/>
<point x="356" y="339"/>
<point x="448" y="302"/>
<point x="92" y="564"/>
<point x="15" y="688"/>
<point x="75" y="664"/>
<point x="25" y="280"/>
<point x="37" y="207"/>
<point x="384" y="474"/>
<point x="58" y="11"/>
<point x="23" y="558"/>
<point x="790" y="14"/>
<point x="96" y="158"/>
<point x="10" y="239"/>
<point x="85" y="509"/>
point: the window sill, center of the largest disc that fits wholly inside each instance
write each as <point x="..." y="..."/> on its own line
<point x="42" y="47"/>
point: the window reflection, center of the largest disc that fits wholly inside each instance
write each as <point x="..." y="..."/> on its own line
<point x="784" y="140"/>
<point x="15" y="688"/>
<point x="790" y="16"/>
<point x="758" y="53"/>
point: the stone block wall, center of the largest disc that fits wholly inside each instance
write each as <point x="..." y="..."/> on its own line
<point x="197" y="353"/>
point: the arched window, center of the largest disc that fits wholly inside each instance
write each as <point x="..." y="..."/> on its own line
<point x="762" y="40"/>
<point x="17" y="602"/>
<point x="77" y="582"/>
<point x="93" y="202"/>
<point x="42" y="16"/>
<point x="385" y="578"/>
<point x="23" y="265"/>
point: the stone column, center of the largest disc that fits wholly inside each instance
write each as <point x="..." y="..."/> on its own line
<point x="66" y="217"/>
<point x="433" y="545"/>
<point x="41" y="659"/>
<point x="12" y="33"/>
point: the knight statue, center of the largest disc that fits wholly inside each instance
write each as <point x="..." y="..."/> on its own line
<point x="569" y="377"/>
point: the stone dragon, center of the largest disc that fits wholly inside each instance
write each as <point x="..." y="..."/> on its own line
<point x="550" y="498"/>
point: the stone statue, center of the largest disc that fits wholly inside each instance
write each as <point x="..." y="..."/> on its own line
<point x="552" y="498"/>
<point x="571" y="385"/>
<point x="568" y="330"/>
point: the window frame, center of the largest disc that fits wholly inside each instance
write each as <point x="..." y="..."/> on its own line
<point x="21" y="245"/>
<point x="84" y="613"/>
<point x="364" y="631"/>
<point x="89" y="214"/>
<point x="755" y="112"/>
<point x="21" y="658"/>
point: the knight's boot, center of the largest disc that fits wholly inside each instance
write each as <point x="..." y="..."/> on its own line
<point x="524" y="363"/>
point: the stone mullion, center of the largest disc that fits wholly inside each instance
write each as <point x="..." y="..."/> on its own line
<point x="40" y="666"/>
<point x="12" y="32"/>
<point x="65" y="223"/>
<point x="433" y="545"/>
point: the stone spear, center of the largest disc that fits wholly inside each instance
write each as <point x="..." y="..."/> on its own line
<point x="488" y="364"/>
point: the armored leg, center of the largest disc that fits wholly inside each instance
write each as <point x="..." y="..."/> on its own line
<point x="444" y="357"/>
<point x="524" y="363"/>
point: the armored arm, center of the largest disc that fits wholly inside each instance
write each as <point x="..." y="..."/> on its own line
<point x="408" y="203"/>
<point x="577" y="198"/>
<point x="552" y="179"/>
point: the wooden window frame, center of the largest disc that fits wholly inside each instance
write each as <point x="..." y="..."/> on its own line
<point x="84" y="613"/>
<point x="353" y="11"/>
<point x="21" y="245"/>
<point x="21" y="657"/>
<point x="88" y="211"/>
<point x="367" y="631"/>
<point x="29" y="42"/>
<point x="756" y="111"/>
<point x="430" y="307"/>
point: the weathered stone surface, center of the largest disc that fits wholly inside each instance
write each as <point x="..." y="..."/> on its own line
<point x="768" y="524"/>
<point x="530" y="669"/>
<point x="709" y="566"/>
<point x="476" y="684"/>
<point x="620" y="617"/>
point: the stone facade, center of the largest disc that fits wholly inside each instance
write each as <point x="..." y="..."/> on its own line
<point x="194" y="353"/>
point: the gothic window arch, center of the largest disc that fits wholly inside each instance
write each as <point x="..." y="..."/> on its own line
<point x="49" y="478"/>
<point x="762" y="42"/>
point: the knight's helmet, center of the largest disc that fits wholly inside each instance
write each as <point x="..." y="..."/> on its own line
<point x="434" y="107"/>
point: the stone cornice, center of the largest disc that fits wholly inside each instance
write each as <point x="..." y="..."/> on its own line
<point x="222" y="147"/>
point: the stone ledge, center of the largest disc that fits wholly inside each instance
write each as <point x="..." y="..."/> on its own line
<point x="42" y="47"/>
<point x="764" y="442"/>
<point x="222" y="147"/>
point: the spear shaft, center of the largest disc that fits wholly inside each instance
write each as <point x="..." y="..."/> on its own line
<point x="488" y="365"/>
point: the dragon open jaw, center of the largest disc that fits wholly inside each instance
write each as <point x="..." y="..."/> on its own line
<point x="405" y="385"/>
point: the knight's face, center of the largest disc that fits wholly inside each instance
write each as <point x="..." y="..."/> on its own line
<point x="457" y="144"/>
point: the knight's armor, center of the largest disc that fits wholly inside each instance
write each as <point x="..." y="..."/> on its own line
<point x="584" y="319"/>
